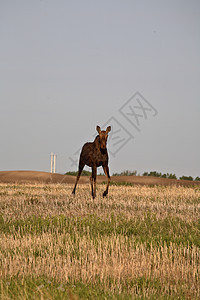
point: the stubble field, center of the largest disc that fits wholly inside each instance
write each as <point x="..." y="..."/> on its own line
<point x="139" y="242"/>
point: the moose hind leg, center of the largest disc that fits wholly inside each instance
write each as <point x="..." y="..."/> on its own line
<point x="91" y="182"/>
<point x="77" y="178"/>
<point x="106" y="171"/>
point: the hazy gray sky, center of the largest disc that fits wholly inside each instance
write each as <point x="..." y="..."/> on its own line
<point x="67" y="66"/>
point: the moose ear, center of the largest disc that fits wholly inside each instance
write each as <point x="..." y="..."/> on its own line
<point x="98" y="129"/>
<point x="108" y="129"/>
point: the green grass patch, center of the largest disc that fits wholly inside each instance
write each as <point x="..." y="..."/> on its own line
<point x="32" y="288"/>
<point x="150" y="230"/>
<point x="44" y="288"/>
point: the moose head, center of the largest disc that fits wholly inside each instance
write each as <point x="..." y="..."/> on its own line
<point x="103" y="136"/>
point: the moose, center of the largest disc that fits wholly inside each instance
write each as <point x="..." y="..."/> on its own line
<point x="94" y="154"/>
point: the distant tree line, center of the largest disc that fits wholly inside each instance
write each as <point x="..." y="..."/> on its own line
<point x="157" y="174"/>
<point x="134" y="173"/>
<point x="126" y="173"/>
<point x="170" y="176"/>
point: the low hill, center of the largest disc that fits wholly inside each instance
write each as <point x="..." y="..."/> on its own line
<point x="45" y="177"/>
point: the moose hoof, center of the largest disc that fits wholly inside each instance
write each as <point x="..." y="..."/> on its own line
<point x="105" y="194"/>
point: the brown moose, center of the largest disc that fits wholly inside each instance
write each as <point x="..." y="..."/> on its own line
<point x="94" y="155"/>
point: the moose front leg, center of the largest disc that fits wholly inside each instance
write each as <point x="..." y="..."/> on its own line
<point x="106" y="171"/>
<point x="93" y="181"/>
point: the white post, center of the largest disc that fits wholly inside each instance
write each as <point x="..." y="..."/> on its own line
<point x="54" y="163"/>
<point x="51" y="162"/>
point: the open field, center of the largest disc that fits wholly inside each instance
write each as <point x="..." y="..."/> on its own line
<point x="140" y="242"/>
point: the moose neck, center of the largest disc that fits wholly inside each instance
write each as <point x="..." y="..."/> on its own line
<point x="98" y="145"/>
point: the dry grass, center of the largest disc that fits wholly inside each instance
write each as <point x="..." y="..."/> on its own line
<point x="113" y="260"/>
<point x="22" y="201"/>
<point x="142" y="241"/>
